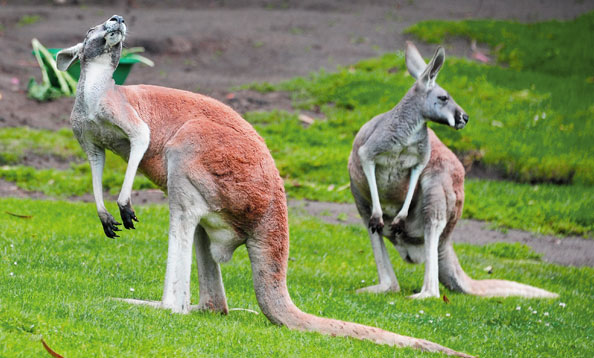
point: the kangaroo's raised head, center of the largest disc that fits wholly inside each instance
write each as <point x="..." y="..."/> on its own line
<point x="102" y="44"/>
<point x="437" y="104"/>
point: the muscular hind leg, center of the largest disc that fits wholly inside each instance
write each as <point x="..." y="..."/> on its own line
<point x="433" y="230"/>
<point x="212" y="291"/>
<point x="434" y="213"/>
<point x="385" y="270"/>
<point x="186" y="207"/>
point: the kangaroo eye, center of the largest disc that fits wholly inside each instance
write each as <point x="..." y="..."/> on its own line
<point x="443" y="98"/>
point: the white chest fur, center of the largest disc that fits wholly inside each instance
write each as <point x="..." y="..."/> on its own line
<point x="97" y="77"/>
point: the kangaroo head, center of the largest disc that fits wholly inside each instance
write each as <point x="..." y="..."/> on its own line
<point x="102" y="44"/>
<point x="436" y="103"/>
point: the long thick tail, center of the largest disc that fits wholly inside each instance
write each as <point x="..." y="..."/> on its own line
<point x="454" y="278"/>
<point x="269" y="263"/>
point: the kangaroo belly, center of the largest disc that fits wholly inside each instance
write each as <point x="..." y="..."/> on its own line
<point x="223" y="238"/>
<point x="392" y="184"/>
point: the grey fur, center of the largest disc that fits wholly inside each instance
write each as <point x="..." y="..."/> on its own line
<point x="397" y="177"/>
<point x="92" y="123"/>
<point x="391" y="152"/>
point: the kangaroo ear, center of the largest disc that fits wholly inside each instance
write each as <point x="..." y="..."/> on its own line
<point x="414" y="61"/>
<point x="428" y="76"/>
<point x="67" y="57"/>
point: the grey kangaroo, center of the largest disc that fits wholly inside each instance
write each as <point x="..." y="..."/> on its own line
<point x="224" y="189"/>
<point x="401" y="173"/>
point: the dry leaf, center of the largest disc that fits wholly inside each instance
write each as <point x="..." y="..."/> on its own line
<point x="306" y="119"/>
<point x="20" y="216"/>
<point x="49" y="350"/>
<point x="445" y="299"/>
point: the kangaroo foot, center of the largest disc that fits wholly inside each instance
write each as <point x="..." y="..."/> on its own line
<point x="380" y="288"/>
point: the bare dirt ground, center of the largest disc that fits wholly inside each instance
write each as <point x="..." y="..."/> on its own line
<point x="210" y="46"/>
<point x="572" y="250"/>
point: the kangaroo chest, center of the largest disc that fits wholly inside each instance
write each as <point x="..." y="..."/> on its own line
<point x="103" y="134"/>
<point x="393" y="168"/>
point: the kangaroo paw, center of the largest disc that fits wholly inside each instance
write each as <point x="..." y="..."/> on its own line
<point x="376" y="224"/>
<point x="128" y="215"/>
<point x="110" y="225"/>
<point x="398" y="225"/>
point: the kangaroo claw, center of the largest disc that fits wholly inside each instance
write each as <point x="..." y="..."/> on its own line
<point x="376" y="224"/>
<point x="128" y="216"/>
<point x="110" y="225"/>
<point x="398" y="225"/>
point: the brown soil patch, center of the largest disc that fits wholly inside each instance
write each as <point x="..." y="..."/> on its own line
<point x="569" y="251"/>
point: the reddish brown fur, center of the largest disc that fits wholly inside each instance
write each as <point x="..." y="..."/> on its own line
<point x="443" y="162"/>
<point x="223" y="145"/>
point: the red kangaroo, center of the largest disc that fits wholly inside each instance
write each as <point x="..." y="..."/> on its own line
<point x="224" y="189"/>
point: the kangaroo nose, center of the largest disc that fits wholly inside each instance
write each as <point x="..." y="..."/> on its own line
<point x="465" y="117"/>
<point x="117" y="18"/>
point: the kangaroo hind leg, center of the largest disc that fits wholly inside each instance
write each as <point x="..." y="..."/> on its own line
<point x="187" y="207"/>
<point x="212" y="291"/>
<point x="385" y="270"/>
<point x="435" y="214"/>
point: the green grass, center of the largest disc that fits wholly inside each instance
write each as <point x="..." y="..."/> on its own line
<point x="545" y="209"/>
<point x="74" y="181"/>
<point x="16" y="142"/>
<point x="558" y="48"/>
<point x="66" y="270"/>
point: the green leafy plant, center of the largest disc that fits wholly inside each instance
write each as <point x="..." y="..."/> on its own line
<point x="132" y="53"/>
<point x="55" y="83"/>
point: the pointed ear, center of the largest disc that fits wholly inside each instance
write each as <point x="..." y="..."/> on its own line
<point x="67" y="57"/>
<point x="414" y="61"/>
<point x="428" y="76"/>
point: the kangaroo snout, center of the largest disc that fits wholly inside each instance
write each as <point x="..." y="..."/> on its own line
<point x="461" y="119"/>
<point x="116" y="18"/>
<point x="115" y="29"/>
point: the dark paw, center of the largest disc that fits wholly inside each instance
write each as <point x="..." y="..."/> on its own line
<point x="397" y="226"/>
<point x="110" y="225"/>
<point x="376" y="224"/>
<point x="128" y="216"/>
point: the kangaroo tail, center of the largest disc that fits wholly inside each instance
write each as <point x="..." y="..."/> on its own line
<point x="269" y="255"/>
<point x="454" y="278"/>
